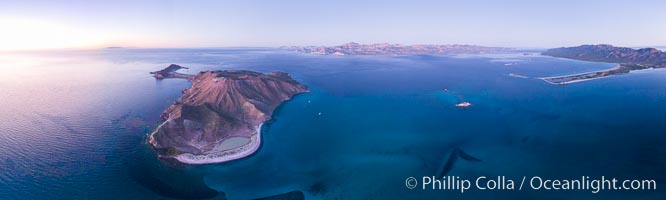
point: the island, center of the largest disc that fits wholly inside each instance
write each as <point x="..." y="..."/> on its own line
<point x="219" y="118"/>
<point x="170" y="72"/>
<point x="394" y="49"/>
<point x="518" y="75"/>
<point x="627" y="59"/>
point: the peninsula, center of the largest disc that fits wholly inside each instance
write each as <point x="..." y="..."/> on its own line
<point x="170" y="72"/>
<point x="627" y="59"/>
<point x="219" y="118"/>
<point x="394" y="49"/>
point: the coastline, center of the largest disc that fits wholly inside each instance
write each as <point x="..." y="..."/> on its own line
<point x="151" y="139"/>
<point x="577" y="77"/>
<point x="226" y="155"/>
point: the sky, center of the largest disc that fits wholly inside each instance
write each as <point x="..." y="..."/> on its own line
<point x="32" y="24"/>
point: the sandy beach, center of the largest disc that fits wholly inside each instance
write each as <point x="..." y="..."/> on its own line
<point x="604" y="73"/>
<point x="221" y="156"/>
<point x="226" y="155"/>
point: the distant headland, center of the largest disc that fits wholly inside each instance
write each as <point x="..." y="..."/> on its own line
<point x="219" y="118"/>
<point x="394" y="49"/>
<point x="170" y="72"/>
<point x="627" y="59"/>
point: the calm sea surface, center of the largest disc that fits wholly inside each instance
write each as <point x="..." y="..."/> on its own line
<point x="73" y="126"/>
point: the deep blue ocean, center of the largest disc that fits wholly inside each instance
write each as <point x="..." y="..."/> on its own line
<point x="73" y="126"/>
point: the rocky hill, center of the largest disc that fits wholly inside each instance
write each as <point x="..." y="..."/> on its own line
<point x="221" y="105"/>
<point x="648" y="57"/>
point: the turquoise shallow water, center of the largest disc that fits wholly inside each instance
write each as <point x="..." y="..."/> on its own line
<point x="73" y="126"/>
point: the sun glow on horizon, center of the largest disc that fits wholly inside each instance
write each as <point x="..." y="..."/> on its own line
<point x="27" y="34"/>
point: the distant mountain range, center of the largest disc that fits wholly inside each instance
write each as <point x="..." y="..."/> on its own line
<point x="648" y="57"/>
<point x="394" y="49"/>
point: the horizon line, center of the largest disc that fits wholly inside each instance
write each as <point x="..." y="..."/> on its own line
<point x="99" y="47"/>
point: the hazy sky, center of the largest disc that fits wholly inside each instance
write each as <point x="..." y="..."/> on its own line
<point x="199" y="23"/>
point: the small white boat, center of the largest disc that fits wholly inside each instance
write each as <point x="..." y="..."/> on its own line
<point x="464" y="104"/>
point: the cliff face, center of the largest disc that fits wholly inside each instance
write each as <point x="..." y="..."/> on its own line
<point x="606" y="53"/>
<point x="220" y="105"/>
